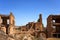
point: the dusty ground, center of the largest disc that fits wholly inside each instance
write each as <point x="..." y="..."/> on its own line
<point x="53" y="39"/>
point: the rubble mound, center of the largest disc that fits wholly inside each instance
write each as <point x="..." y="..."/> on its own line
<point x="3" y="36"/>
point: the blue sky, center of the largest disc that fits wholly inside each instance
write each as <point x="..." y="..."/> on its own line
<point x="28" y="10"/>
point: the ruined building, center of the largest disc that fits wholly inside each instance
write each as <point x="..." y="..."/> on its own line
<point x="36" y="29"/>
<point x="7" y="24"/>
<point x="33" y="28"/>
<point x="53" y="26"/>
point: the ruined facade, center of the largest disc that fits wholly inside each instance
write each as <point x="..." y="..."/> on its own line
<point x="53" y="26"/>
<point x="7" y="23"/>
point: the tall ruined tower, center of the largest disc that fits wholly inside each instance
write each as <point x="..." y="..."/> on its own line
<point x="40" y="22"/>
<point x="40" y="18"/>
<point x="12" y="23"/>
